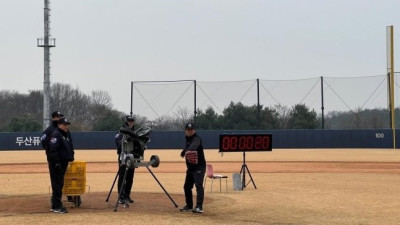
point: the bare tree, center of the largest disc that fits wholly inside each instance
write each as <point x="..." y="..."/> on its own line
<point x="100" y="104"/>
<point x="6" y="109"/>
<point x="34" y="105"/>
<point x="83" y="110"/>
<point x="100" y="97"/>
<point x="377" y="119"/>
<point x="14" y="104"/>
<point x="163" y="123"/>
<point x="182" y="116"/>
<point x="73" y="104"/>
<point x="284" y="115"/>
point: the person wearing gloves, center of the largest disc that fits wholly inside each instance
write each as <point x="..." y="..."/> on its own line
<point x="196" y="168"/>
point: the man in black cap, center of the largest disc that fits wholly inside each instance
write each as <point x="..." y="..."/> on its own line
<point x="196" y="168"/>
<point x="61" y="151"/>
<point x="55" y="117"/>
<point x="126" y="192"/>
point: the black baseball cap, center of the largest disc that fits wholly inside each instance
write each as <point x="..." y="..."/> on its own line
<point x="63" y="121"/>
<point x="130" y="118"/>
<point x="56" y="114"/>
<point x="189" y="126"/>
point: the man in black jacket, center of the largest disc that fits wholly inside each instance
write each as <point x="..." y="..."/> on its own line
<point x="61" y="151"/>
<point x="126" y="192"/>
<point x="196" y="168"/>
<point x="55" y="117"/>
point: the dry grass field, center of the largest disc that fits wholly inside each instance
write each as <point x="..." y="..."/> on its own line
<point x="302" y="186"/>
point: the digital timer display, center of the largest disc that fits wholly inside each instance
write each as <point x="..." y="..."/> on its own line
<point x="245" y="142"/>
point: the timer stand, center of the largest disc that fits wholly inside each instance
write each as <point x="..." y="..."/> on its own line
<point x="243" y="173"/>
<point x="245" y="143"/>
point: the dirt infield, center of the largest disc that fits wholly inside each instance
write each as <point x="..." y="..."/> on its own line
<point x="256" y="167"/>
<point x="293" y="187"/>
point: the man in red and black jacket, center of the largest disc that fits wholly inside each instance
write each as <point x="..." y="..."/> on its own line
<point x="196" y="168"/>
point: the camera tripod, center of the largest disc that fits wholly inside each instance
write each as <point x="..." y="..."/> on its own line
<point x="154" y="162"/>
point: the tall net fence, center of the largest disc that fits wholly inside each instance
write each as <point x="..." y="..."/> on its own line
<point x="162" y="98"/>
<point x="288" y="93"/>
<point x="353" y="94"/>
<point x="324" y="95"/>
<point x="334" y="94"/>
<point x="219" y="95"/>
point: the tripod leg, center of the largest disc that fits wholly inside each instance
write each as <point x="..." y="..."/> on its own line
<point x="112" y="186"/>
<point x="176" y="206"/>
<point x="122" y="188"/>
<point x="242" y="169"/>
<point x="251" y="178"/>
<point x="243" y="173"/>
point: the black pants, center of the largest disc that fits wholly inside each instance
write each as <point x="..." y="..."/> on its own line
<point x="196" y="178"/>
<point x="57" y="174"/>
<point x="126" y="192"/>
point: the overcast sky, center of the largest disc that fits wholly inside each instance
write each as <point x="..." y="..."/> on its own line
<point x="106" y="44"/>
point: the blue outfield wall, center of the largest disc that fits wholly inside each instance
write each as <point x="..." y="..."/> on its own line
<point x="381" y="138"/>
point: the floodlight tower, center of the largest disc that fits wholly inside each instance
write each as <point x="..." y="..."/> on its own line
<point x="46" y="43"/>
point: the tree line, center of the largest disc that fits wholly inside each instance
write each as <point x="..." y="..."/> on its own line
<point x="94" y="112"/>
<point x="240" y="117"/>
<point x="24" y="112"/>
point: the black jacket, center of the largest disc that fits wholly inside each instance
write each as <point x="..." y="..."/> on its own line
<point x="118" y="138"/>
<point x="194" y="143"/>
<point x="61" y="147"/>
<point x="46" y="136"/>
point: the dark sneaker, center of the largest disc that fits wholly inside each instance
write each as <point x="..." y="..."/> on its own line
<point x="186" y="209"/>
<point x="129" y="200"/>
<point x="59" y="210"/>
<point x="198" y="210"/>
<point x="122" y="201"/>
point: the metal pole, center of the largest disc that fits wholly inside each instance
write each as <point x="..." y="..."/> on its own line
<point x="244" y="171"/>
<point x="46" y="83"/>
<point x="46" y="43"/>
<point x="195" y="102"/>
<point x="131" y="98"/>
<point x="322" y="103"/>
<point x="258" y="104"/>
<point x="392" y="85"/>
<point x="389" y="80"/>
<point x="390" y="71"/>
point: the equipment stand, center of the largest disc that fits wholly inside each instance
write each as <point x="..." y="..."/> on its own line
<point x="126" y="205"/>
<point x="176" y="206"/>
<point x="112" y="186"/>
<point x="243" y="173"/>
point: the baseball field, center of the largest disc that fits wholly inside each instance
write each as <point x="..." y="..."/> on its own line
<point x="301" y="186"/>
